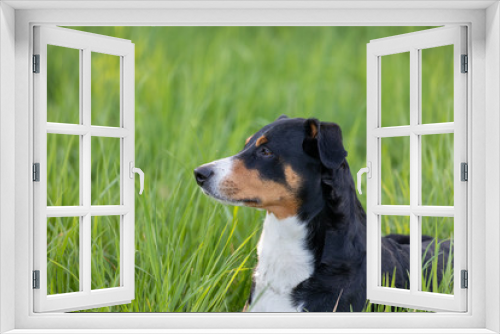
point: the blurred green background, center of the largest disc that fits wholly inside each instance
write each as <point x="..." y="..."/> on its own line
<point x="200" y="92"/>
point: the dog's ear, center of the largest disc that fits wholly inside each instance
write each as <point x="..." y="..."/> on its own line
<point x="282" y="117"/>
<point x="324" y="141"/>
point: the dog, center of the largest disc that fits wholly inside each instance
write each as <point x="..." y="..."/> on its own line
<point x="312" y="250"/>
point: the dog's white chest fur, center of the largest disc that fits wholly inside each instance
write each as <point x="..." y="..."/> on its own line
<point x="283" y="263"/>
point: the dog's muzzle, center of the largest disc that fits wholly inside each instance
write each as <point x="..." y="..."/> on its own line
<point x="209" y="176"/>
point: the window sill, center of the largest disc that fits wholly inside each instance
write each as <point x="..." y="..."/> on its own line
<point x="248" y="331"/>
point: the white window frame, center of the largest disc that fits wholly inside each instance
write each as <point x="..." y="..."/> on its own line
<point x="85" y="43"/>
<point x="414" y="43"/>
<point x="483" y="21"/>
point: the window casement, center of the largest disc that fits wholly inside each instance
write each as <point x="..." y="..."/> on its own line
<point x="91" y="215"/>
<point x="417" y="208"/>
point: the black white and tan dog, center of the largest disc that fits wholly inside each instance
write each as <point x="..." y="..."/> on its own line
<point x="312" y="251"/>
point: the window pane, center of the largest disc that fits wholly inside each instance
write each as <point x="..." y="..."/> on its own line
<point x="63" y="164"/>
<point x="105" y="89"/>
<point x="63" y="255"/>
<point x="395" y="95"/>
<point x="105" y="252"/>
<point x="437" y="258"/>
<point x="395" y="252"/>
<point x="437" y="169"/>
<point x="105" y="188"/>
<point x="395" y="170"/>
<point x="437" y="84"/>
<point x="63" y="85"/>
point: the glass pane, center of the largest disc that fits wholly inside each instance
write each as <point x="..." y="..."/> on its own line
<point x="63" y="164"/>
<point x="63" y="255"/>
<point x="395" y="252"/>
<point x="437" y="258"/>
<point x="437" y="84"/>
<point x="437" y="176"/>
<point x="105" y="187"/>
<point x="105" y="252"/>
<point x="395" y="171"/>
<point x="105" y="89"/>
<point x="63" y="85"/>
<point x="395" y="94"/>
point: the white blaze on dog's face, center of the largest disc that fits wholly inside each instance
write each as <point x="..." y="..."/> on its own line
<point x="217" y="173"/>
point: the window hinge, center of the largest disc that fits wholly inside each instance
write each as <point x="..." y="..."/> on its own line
<point x="464" y="168"/>
<point x="36" y="172"/>
<point x="36" y="279"/>
<point x="36" y="63"/>
<point x="465" y="64"/>
<point x="465" y="279"/>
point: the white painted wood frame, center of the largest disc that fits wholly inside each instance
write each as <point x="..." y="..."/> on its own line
<point x="414" y="43"/>
<point x="17" y="19"/>
<point x="86" y="43"/>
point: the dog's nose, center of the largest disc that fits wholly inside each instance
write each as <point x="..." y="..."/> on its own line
<point x="202" y="174"/>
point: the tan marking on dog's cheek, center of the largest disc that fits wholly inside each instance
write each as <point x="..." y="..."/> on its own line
<point x="283" y="212"/>
<point x="292" y="178"/>
<point x="243" y="183"/>
<point x="262" y="140"/>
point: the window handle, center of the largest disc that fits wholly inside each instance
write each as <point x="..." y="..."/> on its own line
<point x="132" y="171"/>
<point x="368" y="171"/>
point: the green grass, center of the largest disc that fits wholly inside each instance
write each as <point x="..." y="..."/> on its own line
<point x="200" y="92"/>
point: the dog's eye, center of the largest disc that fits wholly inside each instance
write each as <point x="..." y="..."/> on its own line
<point x="265" y="152"/>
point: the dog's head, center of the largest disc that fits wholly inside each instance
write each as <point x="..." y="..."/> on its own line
<point x="280" y="168"/>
